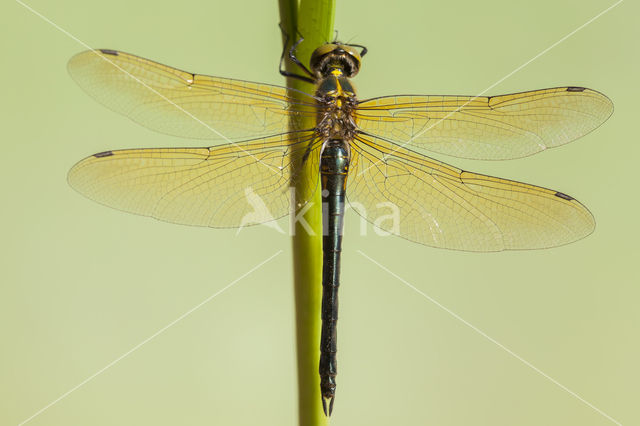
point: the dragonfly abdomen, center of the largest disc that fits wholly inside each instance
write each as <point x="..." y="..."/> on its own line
<point x="334" y="165"/>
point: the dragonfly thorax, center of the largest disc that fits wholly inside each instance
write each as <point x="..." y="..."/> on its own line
<point x="337" y="100"/>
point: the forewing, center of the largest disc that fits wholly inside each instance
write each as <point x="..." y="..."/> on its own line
<point x="432" y="203"/>
<point x="223" y="186"/>
<point x="180" y="103"/>
<point x="490" y="128"/>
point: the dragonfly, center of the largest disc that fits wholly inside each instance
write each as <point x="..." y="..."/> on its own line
<point x="364" y="152"/>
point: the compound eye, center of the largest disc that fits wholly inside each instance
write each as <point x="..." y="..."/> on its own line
<point x="320" y="53"/>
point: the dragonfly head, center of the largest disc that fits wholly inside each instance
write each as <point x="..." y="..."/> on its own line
<point x="331" y="56"/>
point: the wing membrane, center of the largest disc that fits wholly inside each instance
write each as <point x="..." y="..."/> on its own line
<point x="224" y="186"/>
<point x="490" y="128"/>
<point x="180" y="103"/>
<point x="441" y="206"/>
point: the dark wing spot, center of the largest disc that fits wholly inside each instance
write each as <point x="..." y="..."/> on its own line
<point x="563" y="196"/>
<point x="103" y="154"/>
<point x="109" y="52"/>
<point x="576" y="89"/>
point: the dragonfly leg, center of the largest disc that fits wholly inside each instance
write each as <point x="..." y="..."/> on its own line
<point x="362" y="52"/>
<point x="292" y="57"/>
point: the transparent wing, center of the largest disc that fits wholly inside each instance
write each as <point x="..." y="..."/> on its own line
<point x="224" y="186"/>
<point x="432" y="203"/>
<point x="490" y="128"/>
<point x="180" y="103"/>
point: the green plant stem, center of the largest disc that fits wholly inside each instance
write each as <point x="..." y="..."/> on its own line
<point x="313" y="20"/>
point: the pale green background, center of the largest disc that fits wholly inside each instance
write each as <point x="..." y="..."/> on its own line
<point x="83" y="284"/>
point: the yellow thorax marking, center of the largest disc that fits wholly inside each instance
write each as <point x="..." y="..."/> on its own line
<point x="337" y="73"/>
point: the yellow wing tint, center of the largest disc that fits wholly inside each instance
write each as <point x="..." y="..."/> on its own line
<point x="432" y="203"/>
<point x="224" y="186"/>
<point x="180" y="103"/>
<point x="490" y="128"/>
